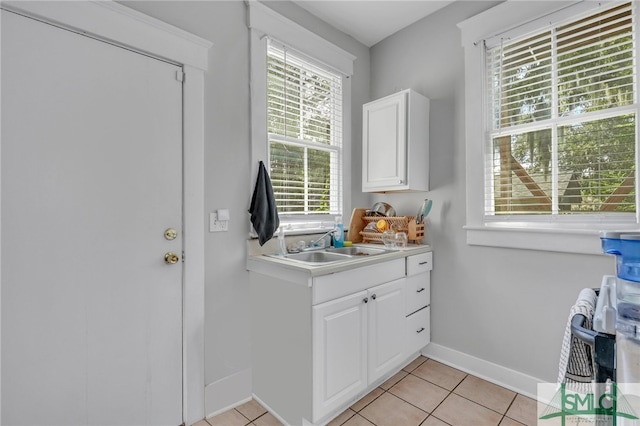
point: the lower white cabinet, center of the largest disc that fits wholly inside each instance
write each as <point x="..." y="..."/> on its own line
<point x="321" y="342"/>
<point x="357" y="339"/>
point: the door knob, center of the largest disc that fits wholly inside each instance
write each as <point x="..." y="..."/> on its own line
<point x="171" y="258"/>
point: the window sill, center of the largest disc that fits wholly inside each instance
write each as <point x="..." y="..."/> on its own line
<point x="550" y="238"/>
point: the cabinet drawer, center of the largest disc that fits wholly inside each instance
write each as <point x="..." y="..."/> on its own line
<point x="418" y="330"/>
<point x="417" y="292"/>
<point x="419" y="263"/>
<point x="332" y="286"/>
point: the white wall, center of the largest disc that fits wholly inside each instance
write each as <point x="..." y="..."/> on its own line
<point x="507" y="307"/>
<point x="227" y="180"/>
<point x="504" y="306"/>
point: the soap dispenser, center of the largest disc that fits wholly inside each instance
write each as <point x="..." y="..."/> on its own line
<point x="338" y="235"/>
<point x="281" y="240"/>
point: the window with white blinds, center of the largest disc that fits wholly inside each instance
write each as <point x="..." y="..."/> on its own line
<point x="304" y="124"/>
<point x="562" y="105"/>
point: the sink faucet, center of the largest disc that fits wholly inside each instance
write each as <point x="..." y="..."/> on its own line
<point x="312" y="243"/>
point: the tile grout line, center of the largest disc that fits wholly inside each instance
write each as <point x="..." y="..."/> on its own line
<point x="510" y="405"/>
<point x="445" y="398"/>
<point x="402" y="399"/>
<point x="250" y="421"/>
<point x="462" y="396"/>
<point x="261" y="415"/>
<point x="429" y="414"/>
<point x="371" y="402"/>
<point x="452" y="391"/>
<point x="435" y="417"/>
<point x="484" y="406"/>
<point x="439" y="404"/>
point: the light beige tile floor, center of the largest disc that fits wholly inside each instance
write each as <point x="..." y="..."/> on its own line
<point x="424" y="393"/>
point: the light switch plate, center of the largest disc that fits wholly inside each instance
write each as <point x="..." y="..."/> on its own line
<point x="216" y="225"/>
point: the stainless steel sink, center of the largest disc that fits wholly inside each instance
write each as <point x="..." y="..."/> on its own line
<point x="314" y="257"/>
<point x="330" y="255"/>
<point x="357" y="251"/>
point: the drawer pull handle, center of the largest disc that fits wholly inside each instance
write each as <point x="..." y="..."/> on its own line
<point x="421" y="330"/>
<point x="420" y="291"/>
<point x="423" y="263"/>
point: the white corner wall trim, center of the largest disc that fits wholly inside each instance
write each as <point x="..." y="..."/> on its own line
<point x="227" y="393"/>
<point x="494" y="373"/>
<point x="122" y="25"/>
<point x="271" y="23"/>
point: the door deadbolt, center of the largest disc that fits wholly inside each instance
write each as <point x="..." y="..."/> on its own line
<point x="170" y="234"/>
<point x="171" y="258"/>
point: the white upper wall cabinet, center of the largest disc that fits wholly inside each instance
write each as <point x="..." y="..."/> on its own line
<point x="395" y="143"/>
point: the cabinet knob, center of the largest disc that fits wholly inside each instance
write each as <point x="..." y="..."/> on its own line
<point x="365" y="300"/>
<point x="421" y="330"/>
<point x="420" y="291"/>
<point x="373" y="297"/>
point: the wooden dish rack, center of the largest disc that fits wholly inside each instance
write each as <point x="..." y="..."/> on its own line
<point x="415" y="231"/>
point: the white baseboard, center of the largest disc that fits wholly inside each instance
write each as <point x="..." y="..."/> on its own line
<point x="494" y="373"/>
<point x="227" y="393"/>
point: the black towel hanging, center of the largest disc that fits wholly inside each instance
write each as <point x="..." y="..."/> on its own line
<point x="264" y="213"/>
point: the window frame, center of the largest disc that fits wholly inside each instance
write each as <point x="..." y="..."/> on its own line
<point x="550" y="233"/>
<point x="334" y="148"/>
<point x="264" y="24"/>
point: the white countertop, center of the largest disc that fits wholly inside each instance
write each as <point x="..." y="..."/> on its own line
<point x="270" y="265"/>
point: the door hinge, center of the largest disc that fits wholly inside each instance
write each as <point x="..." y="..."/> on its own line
<point x="180" y="76"/>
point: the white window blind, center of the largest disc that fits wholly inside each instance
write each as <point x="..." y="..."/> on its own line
<point x="304" y="124"/>
<point x="562" y="105"/>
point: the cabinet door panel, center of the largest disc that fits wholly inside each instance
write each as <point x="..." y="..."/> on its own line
<point x="387" y="328"/>
<point x="385" y="142"/>
<point x="339" y="350"/>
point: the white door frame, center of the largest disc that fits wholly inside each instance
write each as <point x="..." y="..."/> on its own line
<point x="123" y="26"/>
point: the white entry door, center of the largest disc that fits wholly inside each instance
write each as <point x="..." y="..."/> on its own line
<point x="91" y="169"/>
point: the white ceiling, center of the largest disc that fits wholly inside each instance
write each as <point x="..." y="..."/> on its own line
<point x="370" y="21"/>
